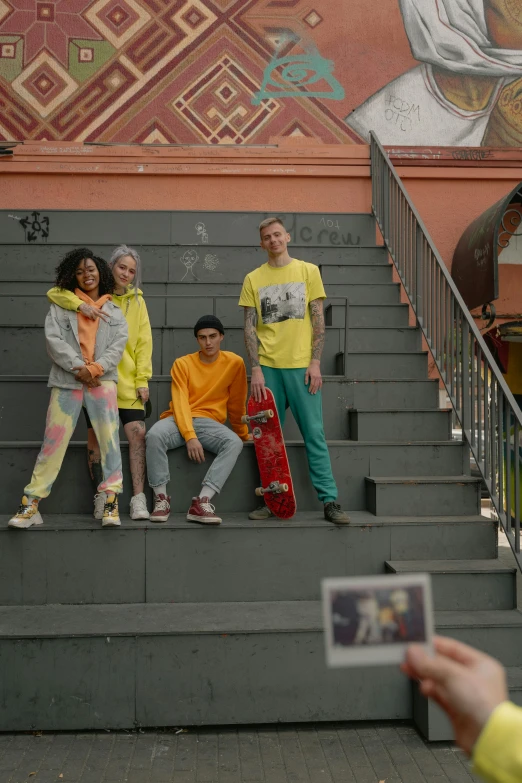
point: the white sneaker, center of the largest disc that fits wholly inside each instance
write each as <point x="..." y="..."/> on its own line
<point x="99" y="504"/>
<point x="138" y="507"/>
<point x="27" y="514"/>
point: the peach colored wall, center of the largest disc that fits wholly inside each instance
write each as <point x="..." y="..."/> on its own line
<point x="449" y="199"/>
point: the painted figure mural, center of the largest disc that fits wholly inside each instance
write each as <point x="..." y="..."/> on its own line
<point x="418" y="72"/>
<point x="466" y="89"/>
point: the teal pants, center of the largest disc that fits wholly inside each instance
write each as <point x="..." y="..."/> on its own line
<point x="289" y="390"/>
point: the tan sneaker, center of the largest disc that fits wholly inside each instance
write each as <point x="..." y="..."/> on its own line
<point x="263" y="512"/>
<point x="27" y="514"/>
<point x="111" y="516"/>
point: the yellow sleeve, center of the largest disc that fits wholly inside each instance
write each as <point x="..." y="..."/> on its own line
<point x="497" y="755"/>
<point x="143" y="352"/>
<point x="247" y="298"/>
<point x="180" y="400"/>
<point x="237" y="402"/>
<point x="64" y="298"/>
<point x="315" y="284"/>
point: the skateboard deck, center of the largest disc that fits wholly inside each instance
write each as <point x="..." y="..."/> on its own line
<point x="276" y="487"/>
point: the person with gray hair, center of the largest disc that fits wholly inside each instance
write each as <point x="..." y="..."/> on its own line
<point x="134" y="371"/>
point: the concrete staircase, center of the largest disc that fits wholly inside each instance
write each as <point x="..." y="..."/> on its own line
<point x="177" y="624"/>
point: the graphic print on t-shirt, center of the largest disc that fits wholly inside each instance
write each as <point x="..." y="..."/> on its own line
<point x="281" y="302"/>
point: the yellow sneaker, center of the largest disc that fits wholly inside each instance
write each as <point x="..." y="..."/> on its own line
<point x="111" y="517"/>
<point x="27" y="514"/>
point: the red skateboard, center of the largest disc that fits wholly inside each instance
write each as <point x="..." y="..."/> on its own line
<point x="277" y="489"/>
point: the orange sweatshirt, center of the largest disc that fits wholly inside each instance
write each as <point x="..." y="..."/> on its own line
<point x="87" y="332"/>
<point x="209" y="391"/>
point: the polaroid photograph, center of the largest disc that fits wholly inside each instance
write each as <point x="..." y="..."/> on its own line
<point x="370" y="620"/>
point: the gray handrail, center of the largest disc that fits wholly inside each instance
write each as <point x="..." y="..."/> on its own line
<point x="490" y="418"/>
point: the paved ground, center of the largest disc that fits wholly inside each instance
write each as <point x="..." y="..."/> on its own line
<point x="318" y="753"/>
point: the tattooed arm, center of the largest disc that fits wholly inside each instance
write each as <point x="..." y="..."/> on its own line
<point x="313" y="373"/>
<point x="257" y="383"/>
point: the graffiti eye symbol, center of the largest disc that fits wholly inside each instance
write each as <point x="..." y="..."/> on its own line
<point x="302" y="73"/>
<point x="285" y="75"/>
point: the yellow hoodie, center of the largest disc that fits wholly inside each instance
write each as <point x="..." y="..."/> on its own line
<point x="135" y="367"/>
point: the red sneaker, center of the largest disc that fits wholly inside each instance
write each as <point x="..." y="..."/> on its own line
<point x="161" y="510"/>
<point x="202" y="511"/>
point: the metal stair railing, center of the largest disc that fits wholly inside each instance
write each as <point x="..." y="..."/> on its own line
<point x="490" y="418"/>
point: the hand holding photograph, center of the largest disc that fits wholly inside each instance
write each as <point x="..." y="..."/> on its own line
<point x="370" y="620"/>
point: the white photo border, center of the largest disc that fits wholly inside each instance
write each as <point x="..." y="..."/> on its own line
<point x="376" y="654"/>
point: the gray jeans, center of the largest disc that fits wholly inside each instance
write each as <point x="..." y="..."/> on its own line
<point x="214" y="437"/>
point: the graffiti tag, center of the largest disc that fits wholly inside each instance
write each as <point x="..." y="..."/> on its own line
<point x="35" y="227"/>
<point x="401" y="112"/>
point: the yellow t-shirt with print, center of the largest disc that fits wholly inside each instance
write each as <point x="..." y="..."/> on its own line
<point x="281" y="296"/>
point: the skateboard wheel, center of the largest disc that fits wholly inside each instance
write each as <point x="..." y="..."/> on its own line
<point x="259" y="492"/>
<point x="284" y="487"/>
<point x="245" y="419"/>
<point x="270" y="413"/>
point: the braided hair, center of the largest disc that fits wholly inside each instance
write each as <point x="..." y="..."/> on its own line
<point x="66" y="270"/>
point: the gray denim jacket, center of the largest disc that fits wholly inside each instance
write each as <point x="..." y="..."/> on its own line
<point x="63" y="345"/>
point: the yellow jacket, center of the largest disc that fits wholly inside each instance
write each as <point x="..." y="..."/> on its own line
<point x="497" y="755"/>
<point x="135" y="367"/>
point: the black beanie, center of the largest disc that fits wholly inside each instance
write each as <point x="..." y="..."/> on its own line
<point x="208" y="322"/>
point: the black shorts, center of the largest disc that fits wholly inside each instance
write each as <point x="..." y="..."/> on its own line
<point x="126" y="416"/>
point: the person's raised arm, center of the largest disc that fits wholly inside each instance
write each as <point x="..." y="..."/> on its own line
<point x="69" y="301"/>
<point x="257" y="383"/>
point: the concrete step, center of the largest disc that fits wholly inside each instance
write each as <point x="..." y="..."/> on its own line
<point x="23" y="348"/>
<point x="497" y="633"/>
<point x="169" y="228"/>
<point x="467" y="585"/>
<point x="384" y="339"/>
<point x="71" y="559"/>
<point x="30" y="268"/>
<point x="351" y="463"/>
<point x="339" y="395"/>
<point x="392" y="425"/>
<point x="333" y="274"/>
<point x="423" y="495"/>
<point x="377" y="365"/>
<point x="372" y="316"/>
<point x="92" y="667"/>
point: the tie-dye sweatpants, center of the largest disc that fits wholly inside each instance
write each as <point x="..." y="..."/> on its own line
<point x="64" y="408"/>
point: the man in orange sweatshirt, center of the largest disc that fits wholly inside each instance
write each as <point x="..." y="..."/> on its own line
<point x="208" y="387"/>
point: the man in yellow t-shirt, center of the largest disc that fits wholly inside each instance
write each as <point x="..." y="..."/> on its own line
<point x="208" y="387"/>
<point x="284" y="336"/>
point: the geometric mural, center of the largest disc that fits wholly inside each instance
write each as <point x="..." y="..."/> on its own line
<point x="163" y="71"/>
<point x="437" y="72"/>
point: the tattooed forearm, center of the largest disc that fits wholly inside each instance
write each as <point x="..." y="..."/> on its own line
<point x="318" y="328"/>
<point x="251" y="339"/>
